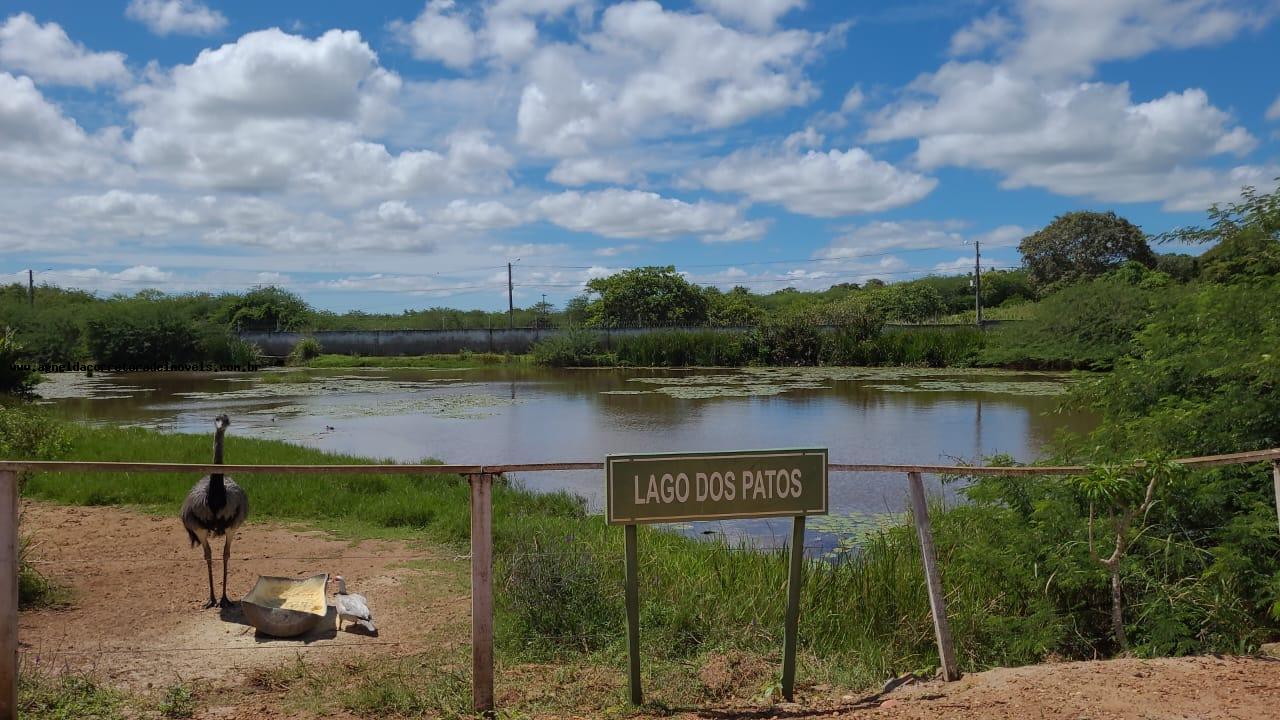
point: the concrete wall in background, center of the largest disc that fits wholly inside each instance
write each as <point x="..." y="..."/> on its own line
<point x="426" y="342"/>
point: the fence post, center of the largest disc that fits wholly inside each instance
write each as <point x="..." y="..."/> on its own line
<point x="1275" y="479"/>
<point x="632" y="597"/>
<point x="937" y="602"/>
<point x="9" y="595"/>
<point x="791" y="621"/>
<point x="482" y="592"/>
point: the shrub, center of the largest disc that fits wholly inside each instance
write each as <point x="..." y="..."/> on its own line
<point x="555" y="594"/>
<point x="308" y="348"/>
<point x="142" y="333"/>
<point x="223" y="348"/>
<point x="1086" y="326"/>
<point x="573" y="348"/>
<point x="30" y="434"/>
<point x="789" y="341"/>
<point x="17" y="376"/>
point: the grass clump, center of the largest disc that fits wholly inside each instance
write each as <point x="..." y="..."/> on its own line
<point x="435" y="685"/>
<point x="306" y="349"/>
<point x="67" y="696"/>
<point x="573" y="348"/>
<point x="34" y="589"/>
<point x="177" y="701"/>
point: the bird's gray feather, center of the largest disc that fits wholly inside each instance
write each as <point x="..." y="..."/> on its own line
<point x="202" y="519"/>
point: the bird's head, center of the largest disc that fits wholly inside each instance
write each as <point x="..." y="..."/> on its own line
<point x="341" y="582"/>
<point x="221" y="422"/>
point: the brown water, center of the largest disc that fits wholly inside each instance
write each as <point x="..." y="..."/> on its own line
<point x="526" y="414"/>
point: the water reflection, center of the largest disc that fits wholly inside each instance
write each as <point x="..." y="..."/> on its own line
<point x="527" y="414"/>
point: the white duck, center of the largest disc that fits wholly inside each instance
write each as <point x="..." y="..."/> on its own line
<point x="352" y="607"/>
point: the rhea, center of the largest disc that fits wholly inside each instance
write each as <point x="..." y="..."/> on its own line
<point x="215" y="506"/>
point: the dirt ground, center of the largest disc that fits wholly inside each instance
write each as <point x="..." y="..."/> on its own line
<point x="137" y="621"/>
<point x="138" y="587"/>
<point x="1203" y="688"/>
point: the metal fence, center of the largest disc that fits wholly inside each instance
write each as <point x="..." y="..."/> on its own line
<point x="480" y="479"/>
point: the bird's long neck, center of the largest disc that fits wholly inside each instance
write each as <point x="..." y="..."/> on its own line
<point x="217" y="455"/>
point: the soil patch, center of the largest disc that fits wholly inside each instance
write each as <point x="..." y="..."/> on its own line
<point x="1205" y="688"/>
<point x="138" y="588"/>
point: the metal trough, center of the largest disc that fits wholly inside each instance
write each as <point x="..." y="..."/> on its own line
<point x="286" y="607"/>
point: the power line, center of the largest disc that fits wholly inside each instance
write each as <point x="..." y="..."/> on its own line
<point x="751" y="281"/>
<point x="779" y="262"/>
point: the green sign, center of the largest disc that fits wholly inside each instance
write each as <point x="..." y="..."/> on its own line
<point x="672" y="487"/>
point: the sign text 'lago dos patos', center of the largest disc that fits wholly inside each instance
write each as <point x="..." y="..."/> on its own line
<point x="675" y="487"/>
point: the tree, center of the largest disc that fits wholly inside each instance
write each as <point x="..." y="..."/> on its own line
<point x="1125" y="495"/>
<point x="1179" y="266"/>
<point x="577" y="309"/>
<point x="17" y="377"/>
<point x="908" y="302"/>
<point x="266" y="308"/>
<point x="1079" y="246"/>
<point x="732" y="309"/>
<point x="1246" y="236"/>
<point x="646" y="297"/>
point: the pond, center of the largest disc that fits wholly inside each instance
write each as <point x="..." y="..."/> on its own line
<point x="516" y="414"/>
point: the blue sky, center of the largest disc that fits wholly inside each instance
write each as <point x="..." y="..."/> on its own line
<point x="398" y="154"/>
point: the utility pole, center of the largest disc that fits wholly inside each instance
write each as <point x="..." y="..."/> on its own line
<point x="511" y="303"/>
<point x="977" y="281"/>
<point x="31" y="288"/>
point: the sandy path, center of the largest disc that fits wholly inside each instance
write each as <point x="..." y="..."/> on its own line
<point x="137" y="616"/>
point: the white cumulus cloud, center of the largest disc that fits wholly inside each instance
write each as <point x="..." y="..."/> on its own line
<point x="1035" y="116"/>
<point x="48" y="55"/>
<point x="758" y="14"/>
<point x="634" y="214"/>
<point x="274" y="111"/>
<point x="823" y="184"/>
<point x="181" y="17"/>
<point x="649" y="71"/>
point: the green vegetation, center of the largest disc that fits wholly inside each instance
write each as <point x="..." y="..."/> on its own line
<point x="304" y="351"/>
<point x="1089" y="325"/>
<point x="1079" y="246"/>
<point x="795" y="343"/>
<point x="15" y="378"/>
<point x="459" y="361"/>
<point x="646" y="297"/>
<point x="66" y="696"/>
<point x="1153" y="561"/>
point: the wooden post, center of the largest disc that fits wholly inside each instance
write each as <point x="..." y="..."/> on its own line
<point x="482" y="593"/>
<point x="792" y="620"/>
<point x="937" y="602"/>
<point x="9" y="595"/>
<point x="1275" y="479"/>
<point x="632" y="594"/>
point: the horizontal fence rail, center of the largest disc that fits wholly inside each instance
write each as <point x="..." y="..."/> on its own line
<point x="481" y="478"/>
<point x="1239" y="458"/>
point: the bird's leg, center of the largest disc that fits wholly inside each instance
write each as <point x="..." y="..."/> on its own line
<point x="208" y="561"/>
<point x="226" y="557"/>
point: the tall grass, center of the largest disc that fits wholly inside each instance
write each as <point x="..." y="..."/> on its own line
<point x="866" y="616"/>
<point x="415" y="506"/>
<point x="684" y="348"/>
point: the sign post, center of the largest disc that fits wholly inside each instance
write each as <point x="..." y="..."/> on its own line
<point x="679" y="487"/>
